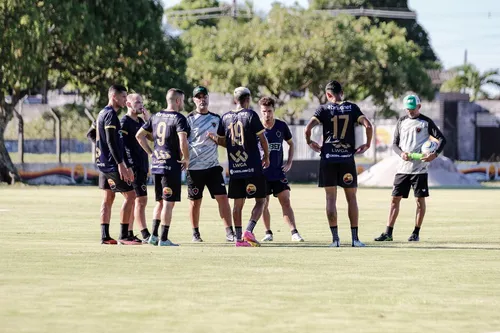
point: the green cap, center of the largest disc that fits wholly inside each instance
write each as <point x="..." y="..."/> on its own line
<point x="200" y="89"/>
<point x="411" y="102"/>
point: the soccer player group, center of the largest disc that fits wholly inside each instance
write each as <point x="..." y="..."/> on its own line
<point x="255" y="162"/>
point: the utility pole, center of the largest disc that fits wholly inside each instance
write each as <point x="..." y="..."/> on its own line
<point x="233" y="10"/>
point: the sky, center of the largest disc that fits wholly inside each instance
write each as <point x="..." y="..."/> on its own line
<point x="452" y="25"/>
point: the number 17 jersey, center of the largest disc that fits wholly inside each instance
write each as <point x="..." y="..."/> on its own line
<point x="338" y="120"/>
<point x="164" y="127"/>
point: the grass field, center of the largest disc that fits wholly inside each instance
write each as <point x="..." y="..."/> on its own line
<point x="56" y="277"/>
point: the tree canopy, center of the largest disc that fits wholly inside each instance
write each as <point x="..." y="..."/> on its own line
<point x="469" y="79"/>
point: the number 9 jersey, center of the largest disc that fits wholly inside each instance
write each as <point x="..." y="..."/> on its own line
<point x="164" y="127"/>
<point x="338" y="122"/>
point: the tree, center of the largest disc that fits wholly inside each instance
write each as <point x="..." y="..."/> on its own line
<point x="91" y="44"/>
<point x="470" y="79"/>
<point x="414" y="31"/>
<point x="295" y="50"/>
<point x="186" y="24"/>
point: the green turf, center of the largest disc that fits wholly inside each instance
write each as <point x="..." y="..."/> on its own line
<point x="56" y="277"/>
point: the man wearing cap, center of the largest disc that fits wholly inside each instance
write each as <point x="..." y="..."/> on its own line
<point x="412" y="131"/>
<point x="204" y="168"/>
<point x="239" y="131"/>
<point x="337" y="165"/>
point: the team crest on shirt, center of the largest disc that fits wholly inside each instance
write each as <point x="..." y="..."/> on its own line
<point x="251" y="189"/>
<point x="419" y="129"/>
<point x="347" y="178"/>
<point x="167" y="192"/>
<point x="278" y="134"/>
<point x="214" y="124"/>
<point x="284" y="181"/>
<point x="111" y="184"/>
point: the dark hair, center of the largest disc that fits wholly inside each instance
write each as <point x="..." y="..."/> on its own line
<point x="243" y="98"/>
<point x="116" y="88"/>
<point x="334" y="87"/>
<point x="267" y="101"/>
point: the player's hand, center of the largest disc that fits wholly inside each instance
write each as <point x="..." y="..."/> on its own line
<point x="125" y="173"/>
<point x="429" y="157"/>
<point x="361" y="149"/>
<point x="185" y="163"/>
<point x="405" y="156"/>
<point x="287" y="166"/>
<point x="146" y="114"/>
<point x="315" y="146"/>
<point x="265" y="162"/>
<point x="212" y="137"/>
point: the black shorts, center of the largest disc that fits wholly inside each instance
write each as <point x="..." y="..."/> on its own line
<point x="112" y="181"/>
<point x="403" y="183"/>
<point x="211" y="178"/>
<point x="275" y="187"/>
<point x="254" y="187"/>
<point x="140" y="183"/>
<point x="168" y="186"/>
<point x="338" y="174"/>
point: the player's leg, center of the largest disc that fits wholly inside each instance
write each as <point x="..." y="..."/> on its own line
<point x="106" y="205"/>
<point x="266" y="217"/>
<point x="421" y="191"/>
<point x="256" y="188"/>
<point x="154" y="238"/>
<point x="217" y="188"/>
<point x="238" y="193"/>
<point x="401" y="189"/>
<point x="328" y="179"/>
<point x="195" y="180"/>
<point x="141" y="201"/>
<point x="171" y="194"/>
<point x="348" y="180"/>
<point x="288" y="214"/>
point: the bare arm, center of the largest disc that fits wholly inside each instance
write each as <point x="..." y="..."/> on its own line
<point x="291" y="150"/>
<point x="308" y="131"/>
<point x="265" y="148"/>
<point x="369" y="135"/>
<point x="184" y="149"/>
<point x="141" y="138"/>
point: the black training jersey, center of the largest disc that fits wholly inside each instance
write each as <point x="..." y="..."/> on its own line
<point x="136" y="157"/>
<point x="164" y="126"/>
<point x="338" y="122"/>
<point x="240" y="128"/>
<point x="275" y="136"/>
<point x="107" y="118"/>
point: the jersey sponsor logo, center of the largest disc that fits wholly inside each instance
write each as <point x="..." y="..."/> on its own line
<point x="250" y="170"/>
<point x="239" y="159"/>
<point x="251" y="189"/>
<point x="275" y="146"/>
<point x="167" y="192"/>
<point x="111" y="184"/>
<point x="347" y="179"/>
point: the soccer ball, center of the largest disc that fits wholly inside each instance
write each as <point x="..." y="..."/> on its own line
<point x="429" y="147"/>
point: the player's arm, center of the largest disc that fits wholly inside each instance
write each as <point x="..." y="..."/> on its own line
<point x="183" y="141"/>
<point x="395" y="143"/>
<point x="308" y="131"/>
<point x="369" y="134"/>
<point x="114" y="149"/>
<point x="220" y="139"/>
<point x="141" y="137"/>
<point x="291" y="150"/>
<point x="265" y="148"/>
<point x="126" y="143"/>
<point x="92" y="133"/>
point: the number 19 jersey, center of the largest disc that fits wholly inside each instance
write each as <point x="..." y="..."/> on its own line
<point x="164" y="127"/>
<point x="240" y="128"/>
<point x="338" y="120"/>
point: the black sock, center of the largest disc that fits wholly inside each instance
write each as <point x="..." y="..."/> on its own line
<point x="156" y="225"/>
<point x="229" y="231"/>
<point x="164" y="232"/>
<point x="130" y="233"/>
<point x="123" y="231"/>
<point x="196" y="231"/>
<point x="354" y="233"/>
<point x="251" y="224"/>
<point x="416" y="230"/>
<point x="269" y="232"/>
<point x="239" y="233"/>
<point x="294" y="231"/>
<point x="335" y="234"/>
<point x="388" y="230"/>
<point x="105" y="231"/>
<point x="145" y="233"/>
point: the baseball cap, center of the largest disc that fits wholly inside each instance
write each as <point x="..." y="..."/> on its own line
<point x="334" y="86"/>
<point x="240" y="91"/>
<point x="411" y="102"/>
<point x="200" y="89"/>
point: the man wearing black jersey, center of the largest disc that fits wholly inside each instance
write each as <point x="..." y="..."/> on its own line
<point x="169" y="157"/>
<point x="337" y="166"/>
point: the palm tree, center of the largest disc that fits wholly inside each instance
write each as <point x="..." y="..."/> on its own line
<point x="469" y="78"/>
